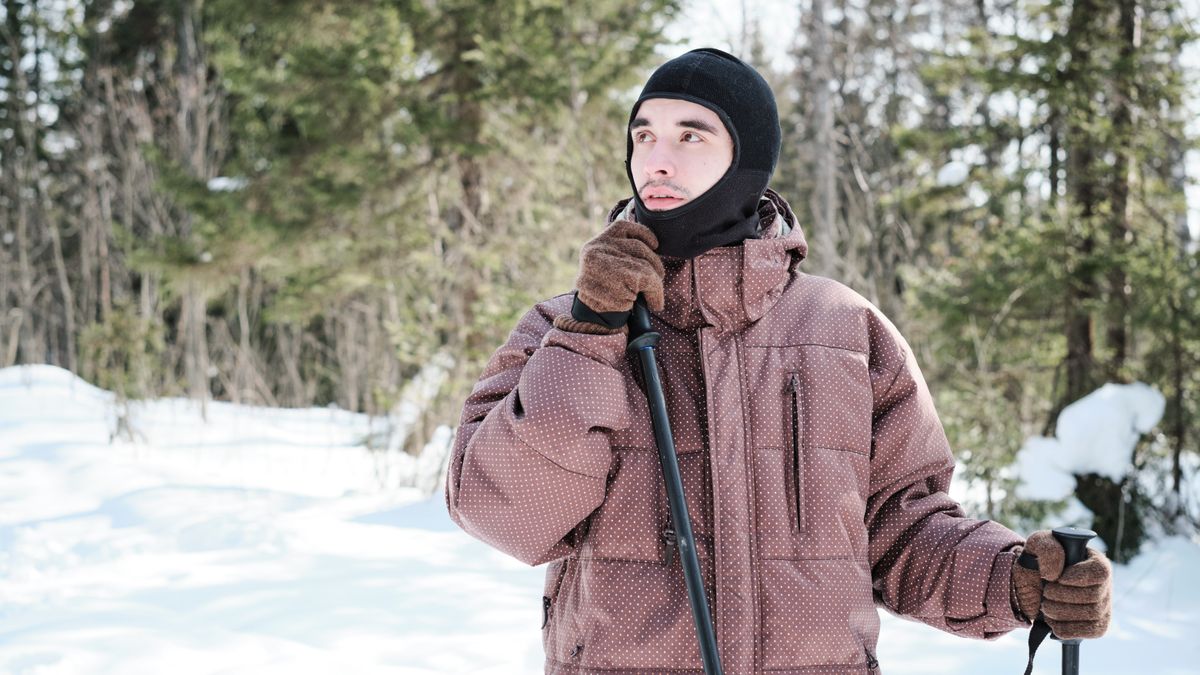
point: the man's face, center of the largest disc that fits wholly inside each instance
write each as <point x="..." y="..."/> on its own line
<point x="680" y="150"/>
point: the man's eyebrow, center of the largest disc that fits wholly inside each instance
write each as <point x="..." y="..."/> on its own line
<point x="699" y="125"/>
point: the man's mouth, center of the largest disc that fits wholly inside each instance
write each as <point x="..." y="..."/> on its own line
<point x="662" y="199"/>
<point x="655" y="201"/>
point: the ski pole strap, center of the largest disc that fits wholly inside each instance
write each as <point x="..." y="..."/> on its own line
<point x="1037" y="633"/>
<point x="1040" y="629"/>
<point x="611" y="320"/>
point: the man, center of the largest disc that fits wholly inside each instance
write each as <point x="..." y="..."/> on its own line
<point x="813" y="462"/>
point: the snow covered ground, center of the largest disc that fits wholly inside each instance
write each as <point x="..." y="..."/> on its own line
<point x="269" y="541"/>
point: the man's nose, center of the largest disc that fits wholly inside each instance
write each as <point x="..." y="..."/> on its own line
<point x="660" y="162"/>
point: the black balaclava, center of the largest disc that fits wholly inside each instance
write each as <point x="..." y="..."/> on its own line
<point x="727" y="212"/>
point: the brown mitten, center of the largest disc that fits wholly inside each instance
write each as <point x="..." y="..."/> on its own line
<point x="614" y="267"/>
<point x="1077" y="602"/>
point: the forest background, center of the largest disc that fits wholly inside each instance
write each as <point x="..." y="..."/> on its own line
<point x="310" y="203"/>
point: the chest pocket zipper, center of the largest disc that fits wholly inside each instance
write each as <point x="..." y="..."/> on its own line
<point x="797" y="477"/>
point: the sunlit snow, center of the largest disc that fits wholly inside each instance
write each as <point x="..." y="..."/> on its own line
<point x="267" y="541"/>
<point x="1095" y="434"/>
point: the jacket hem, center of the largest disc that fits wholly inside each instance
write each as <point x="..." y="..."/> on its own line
<point x="559" y="668"/>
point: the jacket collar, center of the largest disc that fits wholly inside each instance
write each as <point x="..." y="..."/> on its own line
<point x="731" y="287"/>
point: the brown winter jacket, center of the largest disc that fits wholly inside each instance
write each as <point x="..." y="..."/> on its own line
<point x="814" y="467"/>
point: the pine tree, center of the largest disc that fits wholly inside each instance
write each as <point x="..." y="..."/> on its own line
<point x="1063" y="276"/>
<point x="301" y="203"/>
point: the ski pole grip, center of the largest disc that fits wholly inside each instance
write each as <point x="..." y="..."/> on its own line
<point x="1074" y="541"/>
<point x="640" y="334"/>
<point x="639" y="321"/>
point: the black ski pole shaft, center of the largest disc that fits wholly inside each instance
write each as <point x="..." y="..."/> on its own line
<point x="1074" y="542"/>
<point x="642" y="341"/>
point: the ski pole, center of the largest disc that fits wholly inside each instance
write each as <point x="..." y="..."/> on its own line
<point x="642" y="341"/>
<point x="1074" y="541"/>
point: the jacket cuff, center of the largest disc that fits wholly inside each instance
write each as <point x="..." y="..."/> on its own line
<point x="612" y="320"/>
<point x="571" y="324"/>
<point x="1001" y="596"/>
<point x="604" y="347"/>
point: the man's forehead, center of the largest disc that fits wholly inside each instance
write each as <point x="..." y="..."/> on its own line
<point x="678" y="112"/>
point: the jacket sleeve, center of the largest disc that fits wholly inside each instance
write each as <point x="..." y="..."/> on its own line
<point x="531" y="456"/>
<point x="929" y="561"/>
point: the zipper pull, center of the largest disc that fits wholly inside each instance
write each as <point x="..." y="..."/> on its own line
<point x="871" y="662"/>
<point x="669" y="537"/>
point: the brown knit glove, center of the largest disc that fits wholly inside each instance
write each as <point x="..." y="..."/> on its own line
<point x="614" y="266"/>
<point x="1076" y="603"/>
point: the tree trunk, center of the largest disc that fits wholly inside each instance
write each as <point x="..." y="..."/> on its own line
<point x="243" y="371"/>
<point x="463" y="218"/>
<point x="1055" y="165"/>
<point x="1116" y="517"/>
<point x="288" y="339"/>
<point x="1179" y="428"/>
<point x="68" y="298"/>
<point x="193" y="332"/>
<point x="17" y="176"/>
<point x="1120" y="231"/>
<point x="825" y="156"/>
<point x="1082" y="285"/>
<point x="1119" y="521"/>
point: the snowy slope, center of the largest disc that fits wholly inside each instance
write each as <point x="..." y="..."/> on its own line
<point x="270" y="541"/>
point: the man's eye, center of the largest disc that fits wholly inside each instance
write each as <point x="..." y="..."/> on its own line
<point x="641" y="137"/>
<point x="691" y="137"/>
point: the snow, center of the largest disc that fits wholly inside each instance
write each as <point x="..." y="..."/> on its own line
<point x="952" y="173"/>
<point x="262" y="541"/>
<point x="227" y="183"/>
<point x="1095" y="434"/>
